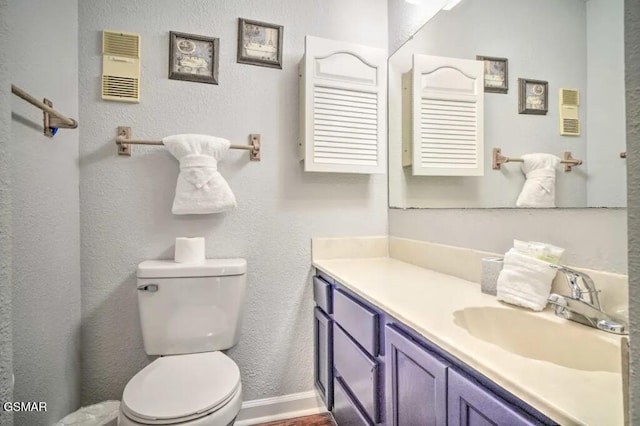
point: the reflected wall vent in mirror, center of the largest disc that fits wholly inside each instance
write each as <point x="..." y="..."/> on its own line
<point x="120" y="66"/>
<point x="444" y="98"/>
<point x="342" y="101"/>
<point x="569" y="121"/>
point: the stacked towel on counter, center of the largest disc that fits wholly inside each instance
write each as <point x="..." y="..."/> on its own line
<point x="539" y="188"/>
<point x="525" y="280"/>
<point x="200" y="189"/>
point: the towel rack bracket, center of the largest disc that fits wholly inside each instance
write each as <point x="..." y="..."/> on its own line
<point x="51" y="123"/>
<point x="498" y="159"/>
<point x="569" y="161"/>
<point x="254" y="152"/>
<point x="124" y="133"/>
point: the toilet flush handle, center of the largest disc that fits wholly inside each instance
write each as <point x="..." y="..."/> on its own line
<point x="148" y="287"/>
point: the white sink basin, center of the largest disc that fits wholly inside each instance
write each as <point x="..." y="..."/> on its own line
<point x="536" y="336"/>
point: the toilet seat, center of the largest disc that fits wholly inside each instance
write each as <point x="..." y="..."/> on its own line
<point x="180" y="388"/>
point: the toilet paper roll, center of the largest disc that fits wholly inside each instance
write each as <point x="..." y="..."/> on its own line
<point x="189" y="250"/>
<point x="491" y="267"/>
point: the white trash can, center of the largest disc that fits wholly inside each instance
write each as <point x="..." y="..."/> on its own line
<point x="102" y="414"/>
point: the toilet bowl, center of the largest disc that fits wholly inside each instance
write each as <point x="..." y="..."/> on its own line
<point x="201" y="389"/>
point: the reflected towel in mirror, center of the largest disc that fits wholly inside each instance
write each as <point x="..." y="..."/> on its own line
<point x="539" y="189"/>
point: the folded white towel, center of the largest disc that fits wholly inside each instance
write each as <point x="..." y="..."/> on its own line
<point x="201" y="189"/>
<point x="525" y="281"/>
<point x="539" y="188"/>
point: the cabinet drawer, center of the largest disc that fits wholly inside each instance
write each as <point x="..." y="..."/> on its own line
<point x="356" y="319"/>
<point x="345" y="411"/>
<point x="322" y="294"/>
<point x="358" y="371"/>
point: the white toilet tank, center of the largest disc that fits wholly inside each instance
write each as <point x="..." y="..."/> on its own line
<point x="191" y="307"/>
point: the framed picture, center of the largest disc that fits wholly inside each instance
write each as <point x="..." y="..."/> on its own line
<point x="496" y="74"/>
<point x="259" y="43"/>
<point x="193" y="57"/>
<point x="533" y="96"/>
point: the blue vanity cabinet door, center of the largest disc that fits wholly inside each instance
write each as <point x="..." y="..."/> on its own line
<point x="416" y="383"/>
<point x="471" y="404"/>
<point x="323" y="355"/>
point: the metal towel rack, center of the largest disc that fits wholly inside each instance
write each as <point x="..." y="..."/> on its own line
<point x="52" y="120"/>
<point x="124" y="142"/>
<point x="499" y="159"/>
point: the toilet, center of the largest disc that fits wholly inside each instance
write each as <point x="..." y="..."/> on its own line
<point x="189" y="312"/>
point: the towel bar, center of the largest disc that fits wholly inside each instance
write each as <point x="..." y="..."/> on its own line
<point x="124" y="142"/>
<point x="499" y="159"/>
<point x="52" y="119"/>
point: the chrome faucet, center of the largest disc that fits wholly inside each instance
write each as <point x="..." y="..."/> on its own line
<point x="583" y="305"/>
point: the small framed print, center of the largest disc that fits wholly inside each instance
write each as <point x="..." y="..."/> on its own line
<point x="496" y="74"/>
<point x="533" y="96"/>
<point x="193" y="57"/>
<point x="259" y="43"/>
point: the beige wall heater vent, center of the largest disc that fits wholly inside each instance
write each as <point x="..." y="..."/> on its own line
<point x="120" y="66"/>
<point x="569" y="121"/>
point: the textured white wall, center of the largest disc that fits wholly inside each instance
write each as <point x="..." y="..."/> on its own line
<point x="604" y="103"/>
<point x="496" y="28"/>
<point x="632" y="69"/>
<point x="126" y="202"/>
<point x="43" y="55"/>
<point x="6" y="351"/>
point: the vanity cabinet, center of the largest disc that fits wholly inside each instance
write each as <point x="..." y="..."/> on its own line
<point x="427" y="386"/>
<point x="371" y="370"/>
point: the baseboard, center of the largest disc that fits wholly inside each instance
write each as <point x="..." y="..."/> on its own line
<point x="279" y="408"/>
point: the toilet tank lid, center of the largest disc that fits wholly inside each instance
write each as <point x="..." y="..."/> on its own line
<point x="206" y="268"/>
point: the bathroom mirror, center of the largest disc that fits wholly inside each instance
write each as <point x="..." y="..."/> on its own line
<point x="569" y="44"/>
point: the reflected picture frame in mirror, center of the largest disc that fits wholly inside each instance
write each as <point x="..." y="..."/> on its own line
<point x="533" y="96"/>
<point x="496" y="74"/>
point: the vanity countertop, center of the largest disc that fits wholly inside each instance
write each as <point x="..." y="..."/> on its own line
<point x="426" y="301"/>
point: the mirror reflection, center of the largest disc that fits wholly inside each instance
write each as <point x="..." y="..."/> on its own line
<point x="551" y="82"/>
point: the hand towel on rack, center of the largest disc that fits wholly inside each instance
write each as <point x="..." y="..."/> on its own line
<point x="539" y="188"/>
<point x="525" y="280"/>
<point x="201" y="189"/>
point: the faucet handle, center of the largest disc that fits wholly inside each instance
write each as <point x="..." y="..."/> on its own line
<point x="587" y="292"/>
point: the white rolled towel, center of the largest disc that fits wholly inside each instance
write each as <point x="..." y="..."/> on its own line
<point x="539" y="188"/>
<point x="200" y="189"/>
<point x="525" y="281"/>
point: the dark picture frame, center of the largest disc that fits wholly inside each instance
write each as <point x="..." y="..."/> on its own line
<point x="533" y="96"/>
<point x="193" y="57"/>
<point x="259" y="43"/>
<point x="496" y="74"/>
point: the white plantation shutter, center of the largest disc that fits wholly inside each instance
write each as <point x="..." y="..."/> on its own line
<point x="343" y="99"/>
<point x="448" y="107"/>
